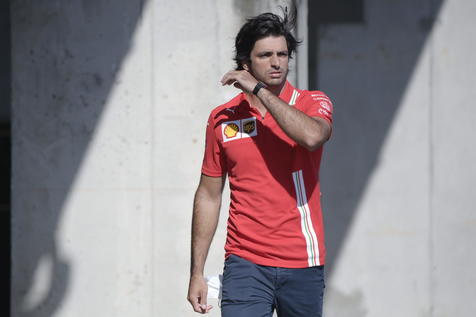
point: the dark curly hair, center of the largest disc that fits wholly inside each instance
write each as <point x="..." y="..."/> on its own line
<point x="261" y="26"/>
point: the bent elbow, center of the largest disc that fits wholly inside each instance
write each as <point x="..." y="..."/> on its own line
<point x="316" y="138"/>
<point x="312" y="144"/>
<point x="313" y="147"/>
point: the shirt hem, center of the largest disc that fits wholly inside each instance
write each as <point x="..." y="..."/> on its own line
<point x="211" y="174"/>
<point x="275" y="263"/>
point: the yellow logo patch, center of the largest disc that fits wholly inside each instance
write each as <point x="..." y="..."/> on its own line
<point x="231" y="130"/>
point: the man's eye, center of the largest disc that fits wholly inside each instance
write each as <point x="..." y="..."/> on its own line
<point x="265" y="55"/>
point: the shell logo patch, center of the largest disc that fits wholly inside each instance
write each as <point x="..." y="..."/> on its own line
<point x="239" y="129"/>
<point x="231" y="130"/>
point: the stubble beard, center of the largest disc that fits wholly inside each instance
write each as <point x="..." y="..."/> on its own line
<point x="277" y="83"/>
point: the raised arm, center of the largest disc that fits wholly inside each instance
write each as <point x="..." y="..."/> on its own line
<point x="206" y="210"/>
<point x="309" y="132"/>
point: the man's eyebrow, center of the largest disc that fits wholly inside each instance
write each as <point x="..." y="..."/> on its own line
<point x="271" y="51"/>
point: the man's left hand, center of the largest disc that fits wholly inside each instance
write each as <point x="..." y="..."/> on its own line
<point x="241" y="79"/>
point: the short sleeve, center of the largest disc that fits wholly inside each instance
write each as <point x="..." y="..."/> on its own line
<point x="316" y="104"/>
<point x="213" y="162"/>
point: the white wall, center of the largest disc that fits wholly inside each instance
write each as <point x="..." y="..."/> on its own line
<point x="397" y="175"/>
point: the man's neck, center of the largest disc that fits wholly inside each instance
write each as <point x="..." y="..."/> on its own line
<point x="276" y="90"/>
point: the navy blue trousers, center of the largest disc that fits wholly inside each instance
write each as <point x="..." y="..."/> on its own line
<point x="253" y="290"/>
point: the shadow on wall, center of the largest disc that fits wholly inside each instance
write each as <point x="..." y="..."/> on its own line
<point x="365" y="67"/>
<point x="66" y="56"/>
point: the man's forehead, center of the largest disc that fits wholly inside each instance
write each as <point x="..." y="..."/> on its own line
<point x="271" y="43"/>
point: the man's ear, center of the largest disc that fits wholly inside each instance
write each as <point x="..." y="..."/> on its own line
<point x="246" y="67"/>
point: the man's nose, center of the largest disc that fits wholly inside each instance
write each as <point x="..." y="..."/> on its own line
<point x="275" y="61"/>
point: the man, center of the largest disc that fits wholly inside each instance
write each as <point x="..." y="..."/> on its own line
<point x="268" y="139"/>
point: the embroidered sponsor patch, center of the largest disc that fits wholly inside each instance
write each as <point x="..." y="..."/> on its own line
<point x="324" y="112"/>
<point x="231" y="130"/>
<point x="249" y="126"/>
<point x="238" y="129"/>
<point x="325" y="105"/>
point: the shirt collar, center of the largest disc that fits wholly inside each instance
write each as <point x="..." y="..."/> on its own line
<point x="287" y="92"/>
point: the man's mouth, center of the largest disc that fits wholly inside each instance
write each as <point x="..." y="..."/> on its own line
<point x="275" y="74"/>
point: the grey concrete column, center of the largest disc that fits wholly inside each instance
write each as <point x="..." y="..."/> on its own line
<point x="453" y="169"/>
<point x="302" y="58"/>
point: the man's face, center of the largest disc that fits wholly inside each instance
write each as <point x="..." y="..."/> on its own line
<point x="269" y="60"/>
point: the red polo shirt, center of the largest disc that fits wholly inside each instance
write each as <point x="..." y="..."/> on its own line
<point x="275" y="213"/>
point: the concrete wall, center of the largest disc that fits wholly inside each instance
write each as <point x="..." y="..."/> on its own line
<point x="110" y="100"/>
<point x="397" y="176"/>
<point x="81" y="170"/>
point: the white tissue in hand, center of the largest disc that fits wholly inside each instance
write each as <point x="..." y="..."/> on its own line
<point x="214" y="286"/>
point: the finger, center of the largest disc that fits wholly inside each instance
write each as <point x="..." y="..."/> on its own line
<point x="195" y="301"/>
<point x="195" y="304"/>
<point x="209" y="307"/>
<point x="225" y="78"/>
<point x="237" y="85"/>
<point x="228" y="80"/>
<point x="203" y="300"/>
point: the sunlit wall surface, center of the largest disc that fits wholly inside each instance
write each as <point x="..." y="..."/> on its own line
<point x="398" y="177"/>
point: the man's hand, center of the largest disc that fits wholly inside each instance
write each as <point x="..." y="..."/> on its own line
<point x="197" y="294"/>
<point x="241" y="79"/>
